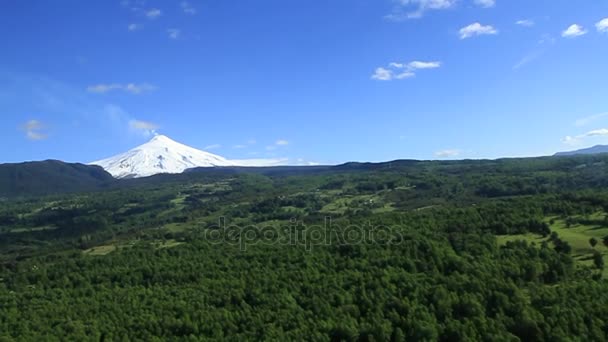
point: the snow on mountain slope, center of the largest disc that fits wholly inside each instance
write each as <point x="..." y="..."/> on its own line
<point x="163" y="155"/>
<point x="159" y="155"/>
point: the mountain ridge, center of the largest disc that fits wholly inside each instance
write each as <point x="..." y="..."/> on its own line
<point x="50" y="177"/>
<point x="590" y="150"/>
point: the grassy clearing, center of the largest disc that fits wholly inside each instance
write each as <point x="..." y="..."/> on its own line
<point x="177" y="227"/>
<point x="342" y="204"/>
<point x="168" y="244"/>
<point x="529" y="237"/>
<point x="295" y="210"/>
<point x="211" y="188"/>
<point x="28" y="230"/>
<point x="577" y="235"/>
<point x="100" y="250"/>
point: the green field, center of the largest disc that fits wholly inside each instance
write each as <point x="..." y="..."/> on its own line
<point x="577" y="235"/>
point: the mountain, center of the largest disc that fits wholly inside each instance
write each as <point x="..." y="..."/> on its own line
<point x="160" y="155"/>
<point x="50" y="177"/>
<point x="591" y="150"/>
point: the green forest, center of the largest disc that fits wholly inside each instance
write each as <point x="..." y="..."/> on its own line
<point x="503" y="250"/>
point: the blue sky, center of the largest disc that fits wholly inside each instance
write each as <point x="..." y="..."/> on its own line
<point x="323" y="81"/>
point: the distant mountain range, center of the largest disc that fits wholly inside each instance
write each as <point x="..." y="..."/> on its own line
<point x="166" y="158"/>
<point x="591" y="150"/>
<point x="164" y="155"/>
<point x="54" y="177"/>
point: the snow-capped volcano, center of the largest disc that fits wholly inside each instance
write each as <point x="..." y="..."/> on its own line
<point x="160" y="155"/>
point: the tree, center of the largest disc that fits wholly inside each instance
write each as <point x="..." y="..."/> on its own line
<point x="598" y="260"/>
<point x="593" y="242"/>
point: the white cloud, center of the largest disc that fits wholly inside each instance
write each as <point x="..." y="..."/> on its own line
<point x="585" y="121"/>
<point x="251" y="142"/>
<point x="134" y="27"/>
<point x="404" y="75"/>
<point x="597" y="132"/>
<point x="410" y="9"/>
<point x="382" y="74"/>
<point x="173" y="33"/>
<point x="525" y="22"/>
<point x="485" y="3"/>
<point x="423" y="65"/>
<point x="402" y="71"/>
<point x="476" y="29"/>
<point x="570" y="140"/>
<point x="304" y="162"/>
<point x="153" y="13"/>
<point x="187" y="7"/>
<point x="212" y="147"/>
<point x="33" y="130"/>
<point x="271" y="148"/>
<point x="602" y="25"/>
<point x="447" y="153"/>
<point x="239" y="146"/>
<point x="574" y="31"/>
<point x="143" y="127"/>
<point x="129" y="87"/>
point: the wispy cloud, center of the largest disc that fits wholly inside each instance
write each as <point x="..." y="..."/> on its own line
<point x="525" y="23"/>
<point x="144" y="127"/>
<point x="602" y="26"/>
<point x="213" y="147"/>
<point x="134" y="27"/>
<point x="153" y="13"/>
<point x="187" y="7"/>
<point x="485" y="3"/>
<point x="277" y="144"/>
<point x="400" y="71"/>
<point x="543" y="44"/>
<point x="411" y="9"/>
<point x="134" y="5"/>
<point x="575" y="140"/>
<point x="476" y="29"/>
<point x="589" y="119"/>
<point x="574" y="31"/>
<point x="247" y="144"/>
<point x="132" y="88"/>
<point x="447" y="153"/>
<point x="33" y="130"/>
<point x="261" y="162"/>
<point x="173" y="33"/>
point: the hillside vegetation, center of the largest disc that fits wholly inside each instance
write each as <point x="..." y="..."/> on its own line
<point x="402" y="251"/>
